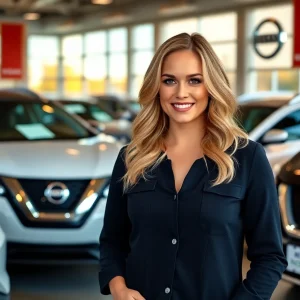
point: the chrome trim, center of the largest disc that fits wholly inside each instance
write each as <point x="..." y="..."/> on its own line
<point x="87" y="199"/>
<point x="284" y="192"/>
<point x="64" y="192"/>
<point x="291" y="279"/>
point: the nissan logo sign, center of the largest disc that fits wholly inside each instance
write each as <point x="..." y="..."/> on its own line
<point x="278" y="38"/>
<point x="57" y="193"/>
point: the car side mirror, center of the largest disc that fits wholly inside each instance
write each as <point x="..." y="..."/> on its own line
<point x="275" y="136"/>
<point x="96" y="125"/>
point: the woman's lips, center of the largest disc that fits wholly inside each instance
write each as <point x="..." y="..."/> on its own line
<point x="182" y="107"/>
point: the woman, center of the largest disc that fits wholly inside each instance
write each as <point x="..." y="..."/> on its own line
<point x="187" y="189"/>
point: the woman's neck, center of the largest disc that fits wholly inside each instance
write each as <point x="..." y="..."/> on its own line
<point x="185" y="135"/>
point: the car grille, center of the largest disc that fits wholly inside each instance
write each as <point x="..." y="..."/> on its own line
<point x="35" y="190"/>
<point x="295" y="204"/>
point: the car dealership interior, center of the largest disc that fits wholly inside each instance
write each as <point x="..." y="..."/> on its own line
<point x="71" y="73"/>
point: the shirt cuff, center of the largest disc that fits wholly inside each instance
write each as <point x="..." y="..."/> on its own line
<point x="105" y="276"/>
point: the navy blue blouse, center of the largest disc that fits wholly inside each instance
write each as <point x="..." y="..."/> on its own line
<point x="189" y="245"/>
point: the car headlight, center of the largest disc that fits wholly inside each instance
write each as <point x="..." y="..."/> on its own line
<point x="2" y="188"/>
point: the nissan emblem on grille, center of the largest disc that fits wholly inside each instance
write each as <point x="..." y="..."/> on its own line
<point x="57" y="193"/>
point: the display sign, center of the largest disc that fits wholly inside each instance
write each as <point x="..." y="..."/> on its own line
<point x="278" y="38"/>
<point x="13" y="51"/>
<point x="296" y="54"/>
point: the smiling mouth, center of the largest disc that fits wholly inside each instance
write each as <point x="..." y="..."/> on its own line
<point x="185" y="105"/>
<point x="182" y="107"/>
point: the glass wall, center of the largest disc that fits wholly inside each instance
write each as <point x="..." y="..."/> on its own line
<point x="142" y="51"/>
<point x="117" y="61"/>
<point x="43" y="57"/>
<point x="275" y="73"/>
<point x="95" y="62"/>
<point x="72" y="51"/>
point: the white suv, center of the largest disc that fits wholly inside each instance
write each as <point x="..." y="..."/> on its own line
<point x="54" y="180"/>
<point x="272" y="119"/>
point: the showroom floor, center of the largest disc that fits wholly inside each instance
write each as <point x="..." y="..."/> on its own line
<point x="80" y="282"/>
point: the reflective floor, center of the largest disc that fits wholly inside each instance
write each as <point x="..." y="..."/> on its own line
<point x="80" y="283"/>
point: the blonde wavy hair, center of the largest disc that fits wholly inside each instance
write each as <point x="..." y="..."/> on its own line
<point x="145" y="151"/>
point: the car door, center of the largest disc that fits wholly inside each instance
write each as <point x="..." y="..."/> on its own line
<point x="279" y="153"/>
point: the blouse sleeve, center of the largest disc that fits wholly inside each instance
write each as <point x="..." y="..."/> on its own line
<point x="114" y="237"/>
<point x="262" y="231"/>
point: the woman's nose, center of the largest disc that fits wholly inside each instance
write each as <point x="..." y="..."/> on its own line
<point x="182" y="91"/>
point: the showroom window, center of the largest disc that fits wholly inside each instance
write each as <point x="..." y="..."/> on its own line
<point x="275" y="73"/>
<point x="43" y="54"/>
<point x="142" y="51"/>
<point x="220" y="30"/>
<point x="171" y="28"/>
<point x="72" y="51"/>
<point x="95" y="62"/>
<point x="117" y="61"/>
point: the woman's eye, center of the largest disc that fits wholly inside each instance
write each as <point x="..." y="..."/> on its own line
<point x="169" y="81"/>
<point x="195" y="81"/>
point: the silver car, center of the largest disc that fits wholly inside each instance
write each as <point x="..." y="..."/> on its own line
<point x="100" y="119"/>
<point x="273" y="119"/>
<point x="4" y="279"/>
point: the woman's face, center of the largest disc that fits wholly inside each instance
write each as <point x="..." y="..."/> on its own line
<point x="183" y="95"/>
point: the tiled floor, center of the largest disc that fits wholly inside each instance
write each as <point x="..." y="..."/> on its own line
<point x="80" y="283"/>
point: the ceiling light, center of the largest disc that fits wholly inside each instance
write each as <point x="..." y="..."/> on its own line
<point x="31" y="16"/>
<point x="102" y="2"/>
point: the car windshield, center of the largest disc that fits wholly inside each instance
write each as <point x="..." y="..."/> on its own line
<point x="88" y="111"/>
<point x="37" y="121"/>
<point x="248" y="116"/>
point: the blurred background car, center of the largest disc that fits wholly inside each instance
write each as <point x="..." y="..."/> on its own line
<point x="54" y="180"/>
<point x="92" y="112"/>
<point x="272" y="119"/>
<point x="288" y="182"/>
<point x="120" y="107"/>
<point x="4" y="278"/>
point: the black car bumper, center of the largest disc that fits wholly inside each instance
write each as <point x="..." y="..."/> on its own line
<point x="52" y="254"/>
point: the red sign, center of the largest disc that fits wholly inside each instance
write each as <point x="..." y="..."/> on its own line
<point x="12" y="51"/>
<point x="296" y="54"/>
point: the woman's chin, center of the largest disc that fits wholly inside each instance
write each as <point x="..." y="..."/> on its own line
<point x="182" y="120"/>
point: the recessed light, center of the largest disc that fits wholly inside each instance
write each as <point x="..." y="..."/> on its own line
<point x="31" y="16"/>
<point x="102" y="2"/>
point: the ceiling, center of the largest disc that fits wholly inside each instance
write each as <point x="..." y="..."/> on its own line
<point x="69" y="16"/>
<point x="57" y="7"/>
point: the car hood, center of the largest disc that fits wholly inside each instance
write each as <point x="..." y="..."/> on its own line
<point x="290" y="172"/>
<point x="82" y="159"/>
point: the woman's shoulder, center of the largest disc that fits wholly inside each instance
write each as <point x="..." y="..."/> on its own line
<point x="250" y="150"/>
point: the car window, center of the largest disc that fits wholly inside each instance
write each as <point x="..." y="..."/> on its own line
<point x="75" y="108"/>
<point x="248" y="116"/>
<point x="291" y="124"/>
<point x="99" y="114"/>
<point x="37" y="121"/>
<point x="135" y="106"/>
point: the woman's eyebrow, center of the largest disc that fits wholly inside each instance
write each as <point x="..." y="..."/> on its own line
<point x="168" y="75"/>
<point x="193" y="75"/>
<point x="172" y="76"/>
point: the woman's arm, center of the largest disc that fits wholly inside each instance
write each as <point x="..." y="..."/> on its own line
<point x="263" y="232"/>
<point x="114" y="238"/>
